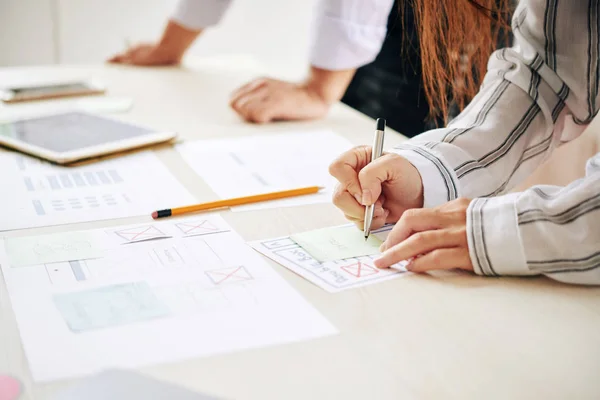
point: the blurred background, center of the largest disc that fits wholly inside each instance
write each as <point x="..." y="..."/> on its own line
<point x="89" y="31"/>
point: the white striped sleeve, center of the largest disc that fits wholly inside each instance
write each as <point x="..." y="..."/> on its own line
<point x="348" y="34"/>
<point x="547" y="80"/>
<point x="199" y="14"/>
<point x="544" y="230"/>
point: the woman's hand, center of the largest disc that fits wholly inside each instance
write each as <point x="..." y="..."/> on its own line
<point x="390" y="182"/>
<point x="431" y="238"/>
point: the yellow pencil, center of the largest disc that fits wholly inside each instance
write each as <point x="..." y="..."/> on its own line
<point x="238" y="201"/>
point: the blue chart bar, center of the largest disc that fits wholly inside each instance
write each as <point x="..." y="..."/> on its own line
<point x="115" y="176"/>
<point x="66" y="181"/>
<point x="103" y="178"/>
<point x="53" y="181"/>
<point x="21" y="163"/>
<point x="29" y="184"/>
<point x="91" y="178"/>
<point x="78" y="179"/>
<point x="39" y="209"/>
<point x="77" y="270"/>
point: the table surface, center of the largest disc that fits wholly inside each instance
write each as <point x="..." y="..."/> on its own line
<point x="447" y="335"/>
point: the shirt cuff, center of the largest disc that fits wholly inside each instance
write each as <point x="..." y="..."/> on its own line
<point x="494" y="239"/>
<point x="440" y="183"/>
<point x="199" y="14"/>
<point x="338" y="44"/>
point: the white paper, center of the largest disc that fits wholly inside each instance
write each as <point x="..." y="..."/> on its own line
<point x="174" y="297"/>
<point x="333" y="276"/>
<point x="236" y="167"/>
<point x="43" y="194"/>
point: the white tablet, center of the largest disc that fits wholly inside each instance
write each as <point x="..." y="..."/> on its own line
<point x="73" y="136"/>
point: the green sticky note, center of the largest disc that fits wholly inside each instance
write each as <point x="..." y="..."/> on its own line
<point x="337" y="243"/>
<point x="46" y="249"/>
<point x="110" y="306"/>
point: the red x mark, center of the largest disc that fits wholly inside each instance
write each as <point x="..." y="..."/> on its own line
<point x="234" y="274"/>
<point x="203" y="226"/>
<point x="148" y="232"/>
<point x="359" y="269"/>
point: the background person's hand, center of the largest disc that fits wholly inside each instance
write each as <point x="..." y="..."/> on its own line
<point x="391" y="182"/>
<point x="146" y="54"/>
<point x="169" y="50"/>
<point x="265" y="100"/>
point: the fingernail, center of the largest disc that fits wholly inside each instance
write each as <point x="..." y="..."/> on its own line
<point x="358" y="197"/>
<point x="366" y="197"/>
<point x="409" y="265"/>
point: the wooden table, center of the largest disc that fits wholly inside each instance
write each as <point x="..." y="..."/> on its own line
<point x="434" y="336"/>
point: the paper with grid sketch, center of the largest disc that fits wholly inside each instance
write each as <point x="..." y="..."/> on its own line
<point x="335" y="275"/>
<point x="243" y="166"/>
<point x="162" y="292"/>
<point x="44" y="194"/>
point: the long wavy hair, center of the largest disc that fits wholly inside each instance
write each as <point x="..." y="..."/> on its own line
<point x="456" y="39"/>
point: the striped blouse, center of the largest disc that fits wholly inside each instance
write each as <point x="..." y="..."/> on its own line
<point x="537" y="94"/>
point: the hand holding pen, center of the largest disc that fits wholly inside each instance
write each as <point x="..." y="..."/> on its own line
<point x="388" y="185"/>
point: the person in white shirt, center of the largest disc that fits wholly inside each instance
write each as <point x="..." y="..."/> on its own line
<point x="446" y="190"/>
<point x="364" y="52"/>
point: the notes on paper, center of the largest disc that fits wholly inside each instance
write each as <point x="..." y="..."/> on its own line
<point x="337" y="243"/>
<point x="245" y="166"/>
<point x="161" y="292"/>
<point x="45" y="249"/>
<point x="333" y="275"/>
<point x="109" y="306"/>
<point x="43" y="194"/>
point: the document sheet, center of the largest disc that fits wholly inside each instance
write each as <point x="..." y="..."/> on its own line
<point x="243" y="166"/>
<point x="334" y="275"/>
<point x="161" y="292"/>
<point x="43" y="194"/>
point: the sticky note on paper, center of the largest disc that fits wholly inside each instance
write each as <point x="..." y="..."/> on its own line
<point x="109" y="306"/>
<point x="337" y="243"/>
<point x="57" y="247"/>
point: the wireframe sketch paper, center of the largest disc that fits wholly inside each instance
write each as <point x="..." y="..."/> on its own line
<point x="267" y="163"/>
<point x="333" y="275"/>
<point x="56" y="247"/>
<point x="43" y="194"/>
<point x="192" y="288"/>
<point x="337" y="243"/>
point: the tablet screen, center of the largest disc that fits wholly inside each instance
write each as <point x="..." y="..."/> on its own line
<point x="70" y="131"/>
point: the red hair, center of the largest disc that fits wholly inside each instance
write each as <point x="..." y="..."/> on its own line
<point x="456" y="39"/>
